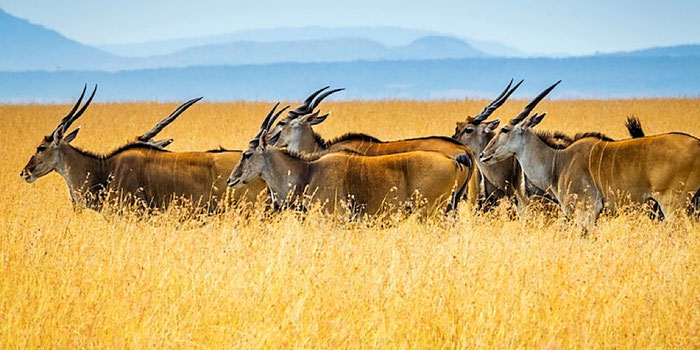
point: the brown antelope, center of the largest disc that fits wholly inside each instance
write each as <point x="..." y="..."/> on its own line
<point x="137" y="172"/>
<point x="592" y="173"/>
<point x="295" y="133"/>
<point x="368" y="183"/>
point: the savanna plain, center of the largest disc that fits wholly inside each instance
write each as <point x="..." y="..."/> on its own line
<point x="251" y="279"/>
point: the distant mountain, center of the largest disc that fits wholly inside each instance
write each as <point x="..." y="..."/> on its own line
<point x="27" y="46"/>
<point x="248" y="52"/>
<point x="388" y="36"/>
<point x="583" y="77"/>
<point x="435" y="47"/>
<point x="331" y="50"/>
<point x="665" y="51"/>
<point x="365" y="56"/>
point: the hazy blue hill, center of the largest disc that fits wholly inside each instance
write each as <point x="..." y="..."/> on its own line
<point x="388" y="36"/>
<point x="423" y="65"/>
<point x="666" y="51"/>
<point x="436" y="47"/>
<point x="599" y="77"/>
<point x="248" y="52"/>
<point x="331" y="50"/>
<point x="29" y="46"/>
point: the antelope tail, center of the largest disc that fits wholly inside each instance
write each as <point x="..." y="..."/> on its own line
<point x="463" y="160"/>
<point x="634" y="127"/>
<point x="696" y="203"/>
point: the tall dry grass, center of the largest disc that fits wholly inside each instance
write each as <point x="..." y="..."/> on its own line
<point x="75" y="279"/>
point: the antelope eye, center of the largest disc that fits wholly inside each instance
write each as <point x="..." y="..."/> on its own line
<point x="247" y="155"/>
<point x="469" y="131"/>
<point x="40" y="149"/>
<point x="505" y="131"/>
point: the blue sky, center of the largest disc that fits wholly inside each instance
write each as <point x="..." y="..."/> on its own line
<point x="544" y="27"/>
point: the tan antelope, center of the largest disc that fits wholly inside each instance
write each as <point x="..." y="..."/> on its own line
<point x="499" y="179"/>
<point x="137" y="172"/>
<point x="592" y="173"/>
<point x="505" y="178"/>
<point x="295" y="133"/>
<point x="367" y="183"/>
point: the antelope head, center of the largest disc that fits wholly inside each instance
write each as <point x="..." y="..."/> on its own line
<point x="48" y="156"/>
<point x="294" y="131"/>
<point x="252" y="163"/>
<point x="511" y="138"/>
<point x="474" y="132"/>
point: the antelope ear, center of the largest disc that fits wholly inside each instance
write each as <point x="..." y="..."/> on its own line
<point x="533" y="120"/>
<point x="309" y="118"/>
<point x="319" y="119"/>
<point x="263" y="140"/>
<point x="162" y="143"/>
<point x="492" y="125"/>
<point x="274" y="138"/>
<point x="70" y="137"/>
<point x="57" y="135"/>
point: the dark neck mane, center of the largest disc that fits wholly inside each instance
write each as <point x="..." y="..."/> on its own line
<point x="559" y="140"/>
<point x="219" y="150"/>
<point x="351" y="136"/>
<point x="597" y="135"/>
<point x="443" y="138"/>
<point x="556" y="139"/>
<point x="128" y="146"/>
<point x="367" y="138"/>
<point x="310" y="157"/>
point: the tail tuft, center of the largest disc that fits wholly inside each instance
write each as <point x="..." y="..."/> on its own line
<point x="464" y="159"/>
<point x="634" y="127"/>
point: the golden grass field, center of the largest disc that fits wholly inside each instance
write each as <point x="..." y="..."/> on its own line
<point x="75" y="279"/>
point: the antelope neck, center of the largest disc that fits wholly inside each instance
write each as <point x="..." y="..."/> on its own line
<point x="538" y="161"/>
<point x="81" y="172"/>
<point x="284" y="173"/>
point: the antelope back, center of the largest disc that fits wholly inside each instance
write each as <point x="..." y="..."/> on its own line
<point x="371" y="182"/>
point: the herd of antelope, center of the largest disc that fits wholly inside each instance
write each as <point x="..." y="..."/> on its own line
<point x="289" y="166"/>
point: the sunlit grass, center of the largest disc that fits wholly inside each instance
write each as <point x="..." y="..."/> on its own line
<point x="253" y="279"/>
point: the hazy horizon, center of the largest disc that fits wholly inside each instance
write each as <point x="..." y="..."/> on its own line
<point x="50" y="49"/>
<point x="547" y="27"/>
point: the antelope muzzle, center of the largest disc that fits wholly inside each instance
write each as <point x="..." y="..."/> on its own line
<point x="27" y="176"/>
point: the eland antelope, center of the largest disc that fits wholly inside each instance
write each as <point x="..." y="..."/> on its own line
<point x="295" y="133"/>
<point x="367" y="184"/>
<point x="138" y="172"/>
<point x="592" y="172"/>
<point x="505" y="177"/>
<point x="499" y="179"/>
